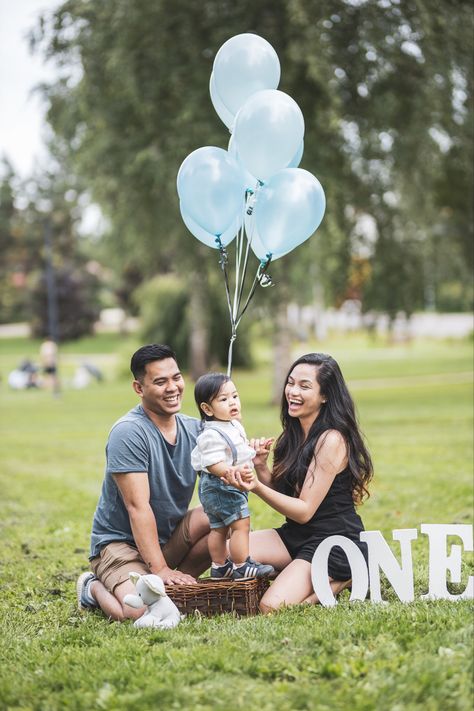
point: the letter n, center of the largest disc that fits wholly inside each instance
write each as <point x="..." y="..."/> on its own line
<point x="382" y="558"/>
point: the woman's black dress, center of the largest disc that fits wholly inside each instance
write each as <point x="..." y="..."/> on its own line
<point x="336" y="515"/>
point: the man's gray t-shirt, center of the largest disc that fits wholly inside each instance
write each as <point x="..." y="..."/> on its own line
<point x="135" y="444"/>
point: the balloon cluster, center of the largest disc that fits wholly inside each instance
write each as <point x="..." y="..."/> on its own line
<point x="255" y="188"/>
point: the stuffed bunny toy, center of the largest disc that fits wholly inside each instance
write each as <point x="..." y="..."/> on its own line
<point x="162" y="612"/>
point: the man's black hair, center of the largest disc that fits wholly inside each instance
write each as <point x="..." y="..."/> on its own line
<point x="148" y="354"/>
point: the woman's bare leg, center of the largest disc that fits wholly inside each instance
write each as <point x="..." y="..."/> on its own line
<point x="267" y="547"/>
<point x="337" y="586"/>
<point x="291" y="587"/>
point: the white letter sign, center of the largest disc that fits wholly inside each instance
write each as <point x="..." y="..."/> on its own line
<point x="320" y="575"/>
<point x="440" y="561"/>
<point x="381" y="557"/>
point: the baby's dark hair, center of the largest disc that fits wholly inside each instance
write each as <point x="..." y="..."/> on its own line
<point x="207" y="388"/>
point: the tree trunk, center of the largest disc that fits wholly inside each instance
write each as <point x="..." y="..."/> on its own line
<point x="281" y="351"/>
<point x="198" y="331"/>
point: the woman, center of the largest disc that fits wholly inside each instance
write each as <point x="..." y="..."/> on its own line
<point x="321" y="470"/>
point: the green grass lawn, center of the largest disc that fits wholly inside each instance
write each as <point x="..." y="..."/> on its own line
<point x="415" y="407"/>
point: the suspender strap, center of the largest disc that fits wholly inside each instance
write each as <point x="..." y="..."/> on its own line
<point x="230" y="444"/>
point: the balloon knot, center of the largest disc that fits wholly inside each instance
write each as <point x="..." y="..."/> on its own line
<point x="223" y="259"/>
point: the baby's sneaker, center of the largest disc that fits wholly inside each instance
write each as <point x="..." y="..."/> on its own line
<point x="252" y="569"/>
<point x="220" y="572"/>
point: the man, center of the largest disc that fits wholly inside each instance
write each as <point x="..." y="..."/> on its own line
<point x="142" y="522"/>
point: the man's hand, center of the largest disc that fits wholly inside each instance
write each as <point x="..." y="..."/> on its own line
<point x="174" y="577"/>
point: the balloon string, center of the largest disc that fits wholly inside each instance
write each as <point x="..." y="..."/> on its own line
<point x="262" y="268"/>
<point x="241" y="266"/>
<point x="229" y="356"/>
<point x="246" y="258"/>
<point x="238" y="262"/>
<point x="223" y="263"/>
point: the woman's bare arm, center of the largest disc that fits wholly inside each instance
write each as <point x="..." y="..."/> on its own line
<point x="331" y="459"/>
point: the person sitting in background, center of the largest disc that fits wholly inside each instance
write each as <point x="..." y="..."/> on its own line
<point x="49" y="363"/>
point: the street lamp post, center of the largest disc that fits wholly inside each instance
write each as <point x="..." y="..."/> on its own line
<point x="52" y="299"/>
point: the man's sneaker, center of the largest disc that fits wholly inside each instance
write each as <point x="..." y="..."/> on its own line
<point x="223" y="571"/>
<point x="252" y="569"/>
<point x="85" y="601"/>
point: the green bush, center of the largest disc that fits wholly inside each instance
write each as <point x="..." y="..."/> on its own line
<point x="165" y="309"/>
<point x="162" y="303"/>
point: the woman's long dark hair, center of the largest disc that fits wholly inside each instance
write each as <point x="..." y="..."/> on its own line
<point x="293" y="454"/>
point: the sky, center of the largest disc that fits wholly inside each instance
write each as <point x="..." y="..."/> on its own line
<point x="22" y="123"/>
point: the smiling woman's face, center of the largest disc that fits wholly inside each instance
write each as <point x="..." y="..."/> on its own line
<point x="302" y="392"/>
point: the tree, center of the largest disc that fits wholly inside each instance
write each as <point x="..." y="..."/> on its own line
<point x="11" y="296"/>
<point x="46" y="206"/>
<point x="77" y="298"/>
<point x="377" y="84"/>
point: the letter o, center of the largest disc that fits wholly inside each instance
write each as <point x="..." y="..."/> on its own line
<point x="320" y="574"/>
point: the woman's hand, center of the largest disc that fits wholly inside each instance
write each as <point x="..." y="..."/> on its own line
<point x="262" y="447"/>
<point x="246" y="474"/>
<point x="242" y="479"/>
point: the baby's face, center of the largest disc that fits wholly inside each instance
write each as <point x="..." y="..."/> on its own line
<point x="226" y="404"/>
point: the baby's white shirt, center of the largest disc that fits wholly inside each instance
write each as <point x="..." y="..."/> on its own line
<point x="212" y="448"/>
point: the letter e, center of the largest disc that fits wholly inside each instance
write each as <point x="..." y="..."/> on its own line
<point x="440" y="561"/>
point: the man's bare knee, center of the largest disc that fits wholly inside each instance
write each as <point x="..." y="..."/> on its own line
<point x="130" y="613"/>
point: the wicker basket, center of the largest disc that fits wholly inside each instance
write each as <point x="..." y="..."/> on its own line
<point x="210" y="597"/>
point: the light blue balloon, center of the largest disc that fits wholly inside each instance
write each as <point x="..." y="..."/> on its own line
<point x="256" y="244"/>
<point x="268" y="132"/>
<point x="250" y="180"/>
<point x="288" y="210"/>
<point x="211" y="187"/>
<point x="243" y="65"/>
<point x="296" y="160"/>
<point x="221" y="110"/>
<point x="206" y="237"/>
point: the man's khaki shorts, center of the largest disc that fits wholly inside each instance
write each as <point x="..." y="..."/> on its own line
<point x="117" y="559"/>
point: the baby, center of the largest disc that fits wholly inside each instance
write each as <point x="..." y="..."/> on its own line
<point x="222" y="446"/>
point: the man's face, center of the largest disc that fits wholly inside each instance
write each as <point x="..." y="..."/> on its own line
<point x="161" y="388"/>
